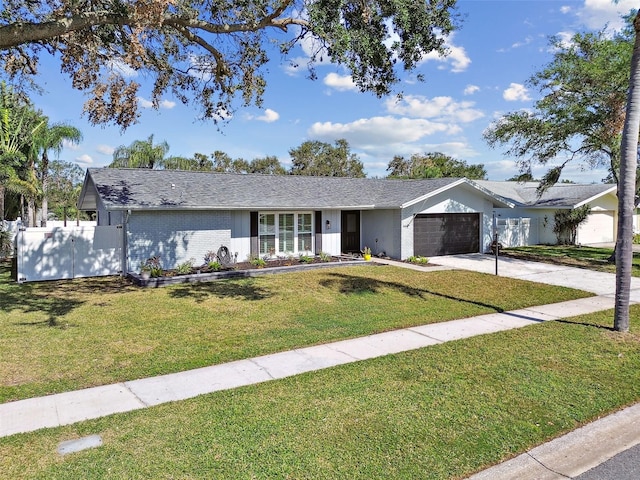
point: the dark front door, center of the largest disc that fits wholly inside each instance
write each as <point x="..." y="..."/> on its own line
<point x="350" y="231"/>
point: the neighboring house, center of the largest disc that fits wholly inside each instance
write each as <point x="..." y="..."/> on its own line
<point x="180" y="215"/>
<point x="529" y="220"/>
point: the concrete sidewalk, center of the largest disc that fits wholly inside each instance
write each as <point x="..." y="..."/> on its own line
<point x="70" y="407"/>
<point x="570" y="455"/>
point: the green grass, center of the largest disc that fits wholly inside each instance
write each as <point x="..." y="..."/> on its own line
<point x="436" y="413"/>
<point x="67" y="335"/>
<point x="591" y="258"/>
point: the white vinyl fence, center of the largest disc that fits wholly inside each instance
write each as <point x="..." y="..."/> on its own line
<point x="68" y="252"/>
<point x="517" y="232"/>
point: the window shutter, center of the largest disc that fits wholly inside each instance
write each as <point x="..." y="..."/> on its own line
<point x="254" y="251"/>
<point x="318" y="215"/>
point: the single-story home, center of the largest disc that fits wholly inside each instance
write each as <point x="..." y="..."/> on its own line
<point x="529" y="218"/>
<point x="182" y="215"/>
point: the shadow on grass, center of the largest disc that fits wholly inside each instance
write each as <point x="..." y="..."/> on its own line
<point x="348" y="284"/>
<point x="591" y="258"/>
<point x="55" y="298"/>
<point x="245" y="289"/>
<point x="586" y="324"/>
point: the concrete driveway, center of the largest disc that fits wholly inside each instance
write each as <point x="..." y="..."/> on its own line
<point x="596" y="282"/>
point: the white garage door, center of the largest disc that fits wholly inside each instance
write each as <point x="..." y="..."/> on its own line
<point x="597" y="228"/>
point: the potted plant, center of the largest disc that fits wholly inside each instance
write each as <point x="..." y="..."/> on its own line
<point x="366" y="254"/>
<point x="151" y="268"/>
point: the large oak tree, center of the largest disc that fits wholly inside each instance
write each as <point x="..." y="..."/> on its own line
<point x="209" y="52"/>
<point x="580" y="114"/>
<point x="434" y="165"/>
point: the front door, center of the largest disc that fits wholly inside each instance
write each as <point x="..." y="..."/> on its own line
<point x="351" y="231"/>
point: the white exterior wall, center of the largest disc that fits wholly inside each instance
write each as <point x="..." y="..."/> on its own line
<point x="380" y="231"/>
<point x="600" y="227"/>
<point x="176" y="237"/>
<point x="240" y="244"/>
<point x="457" y="200"/>
<point x="331" y="237"/>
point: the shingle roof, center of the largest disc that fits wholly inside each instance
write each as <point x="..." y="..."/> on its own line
<point x="169" y="189"/>
<point x="561" y="195"/>
<point x="143" y="189"/>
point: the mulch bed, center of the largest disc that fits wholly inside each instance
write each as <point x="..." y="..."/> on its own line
<point x="242" y="269"/>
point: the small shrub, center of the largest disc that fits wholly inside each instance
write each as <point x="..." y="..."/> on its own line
<point x="258" y="262"/>
<point x="324" y="257"/>
<point x="185" y="267"/>
<point x="636" y="238"/>
<point x="153" y="266"/>
<point x="215" y="266"/>
<point x="305" y="259"/>
<point x="5" y="242"/>
<point x="419" y="260"/>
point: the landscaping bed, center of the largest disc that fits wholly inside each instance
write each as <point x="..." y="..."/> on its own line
<point x="242" y="270"/>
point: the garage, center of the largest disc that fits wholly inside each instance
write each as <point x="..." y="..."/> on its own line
<point x="599" y="227"/>
<point x="446" y="234"/>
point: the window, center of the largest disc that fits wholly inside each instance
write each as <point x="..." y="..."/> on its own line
<point x="267" y="233"/>
<point x="285" y="233"/>
<point x="304" y="232"/>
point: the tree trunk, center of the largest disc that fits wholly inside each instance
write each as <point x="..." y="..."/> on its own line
<point x="2" y="190"/>
<point x="45" y="187"/>
<point x="627" y="190"/>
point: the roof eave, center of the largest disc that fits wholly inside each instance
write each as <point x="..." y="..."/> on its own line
<point x="613" y="189"/>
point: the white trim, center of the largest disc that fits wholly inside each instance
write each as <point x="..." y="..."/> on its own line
<point x="601" y="194"/>
<point x="295" y="250"/>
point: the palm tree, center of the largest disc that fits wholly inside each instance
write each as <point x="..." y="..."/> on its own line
<point x="627" y="189"/>
<point x="140" y="154"/>
<point x="51" y="138"/>
<point x="19" y="121"/>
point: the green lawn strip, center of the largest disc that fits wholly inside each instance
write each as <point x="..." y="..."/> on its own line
<point x="60" y="336"/>
<point x="592" y="258"/>
<point x="437" y="413"/>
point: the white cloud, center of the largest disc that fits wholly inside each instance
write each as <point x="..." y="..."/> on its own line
<point x="526" y="41"/>
<point x="84" y="159"/>
<point x="269" y="116"/>
<point x="566" y="40"/>
<point x="565" y="9"/>
<point x="105" y="149"/>
<point x="471" y="89"/>
<point x="380" y="130"/>
<point x="144" y="103"/>
<point x="121" y="68"/>
<point x="445" y="109"/>
<point x="597" y="14"/>
<point x="516" y="92"/>
<point x="456" y="58"/>
<point x="71" y="146"/>
<point x="166" y="104"/>
<point x="341" y="83"/>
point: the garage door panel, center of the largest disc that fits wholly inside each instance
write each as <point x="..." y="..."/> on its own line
<point x="446" y="234"/>
<point x="597" y="228"/>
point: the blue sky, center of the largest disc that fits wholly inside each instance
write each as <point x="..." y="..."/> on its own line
<point x="500" y="45"/>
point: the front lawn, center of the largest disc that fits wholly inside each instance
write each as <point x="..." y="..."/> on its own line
<point x="592" y="258"/>
<point x="66" y="335"/>
<point x="440" y="412"/>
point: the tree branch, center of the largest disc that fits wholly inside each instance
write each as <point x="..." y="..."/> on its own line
<point x="15" y="34"/>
